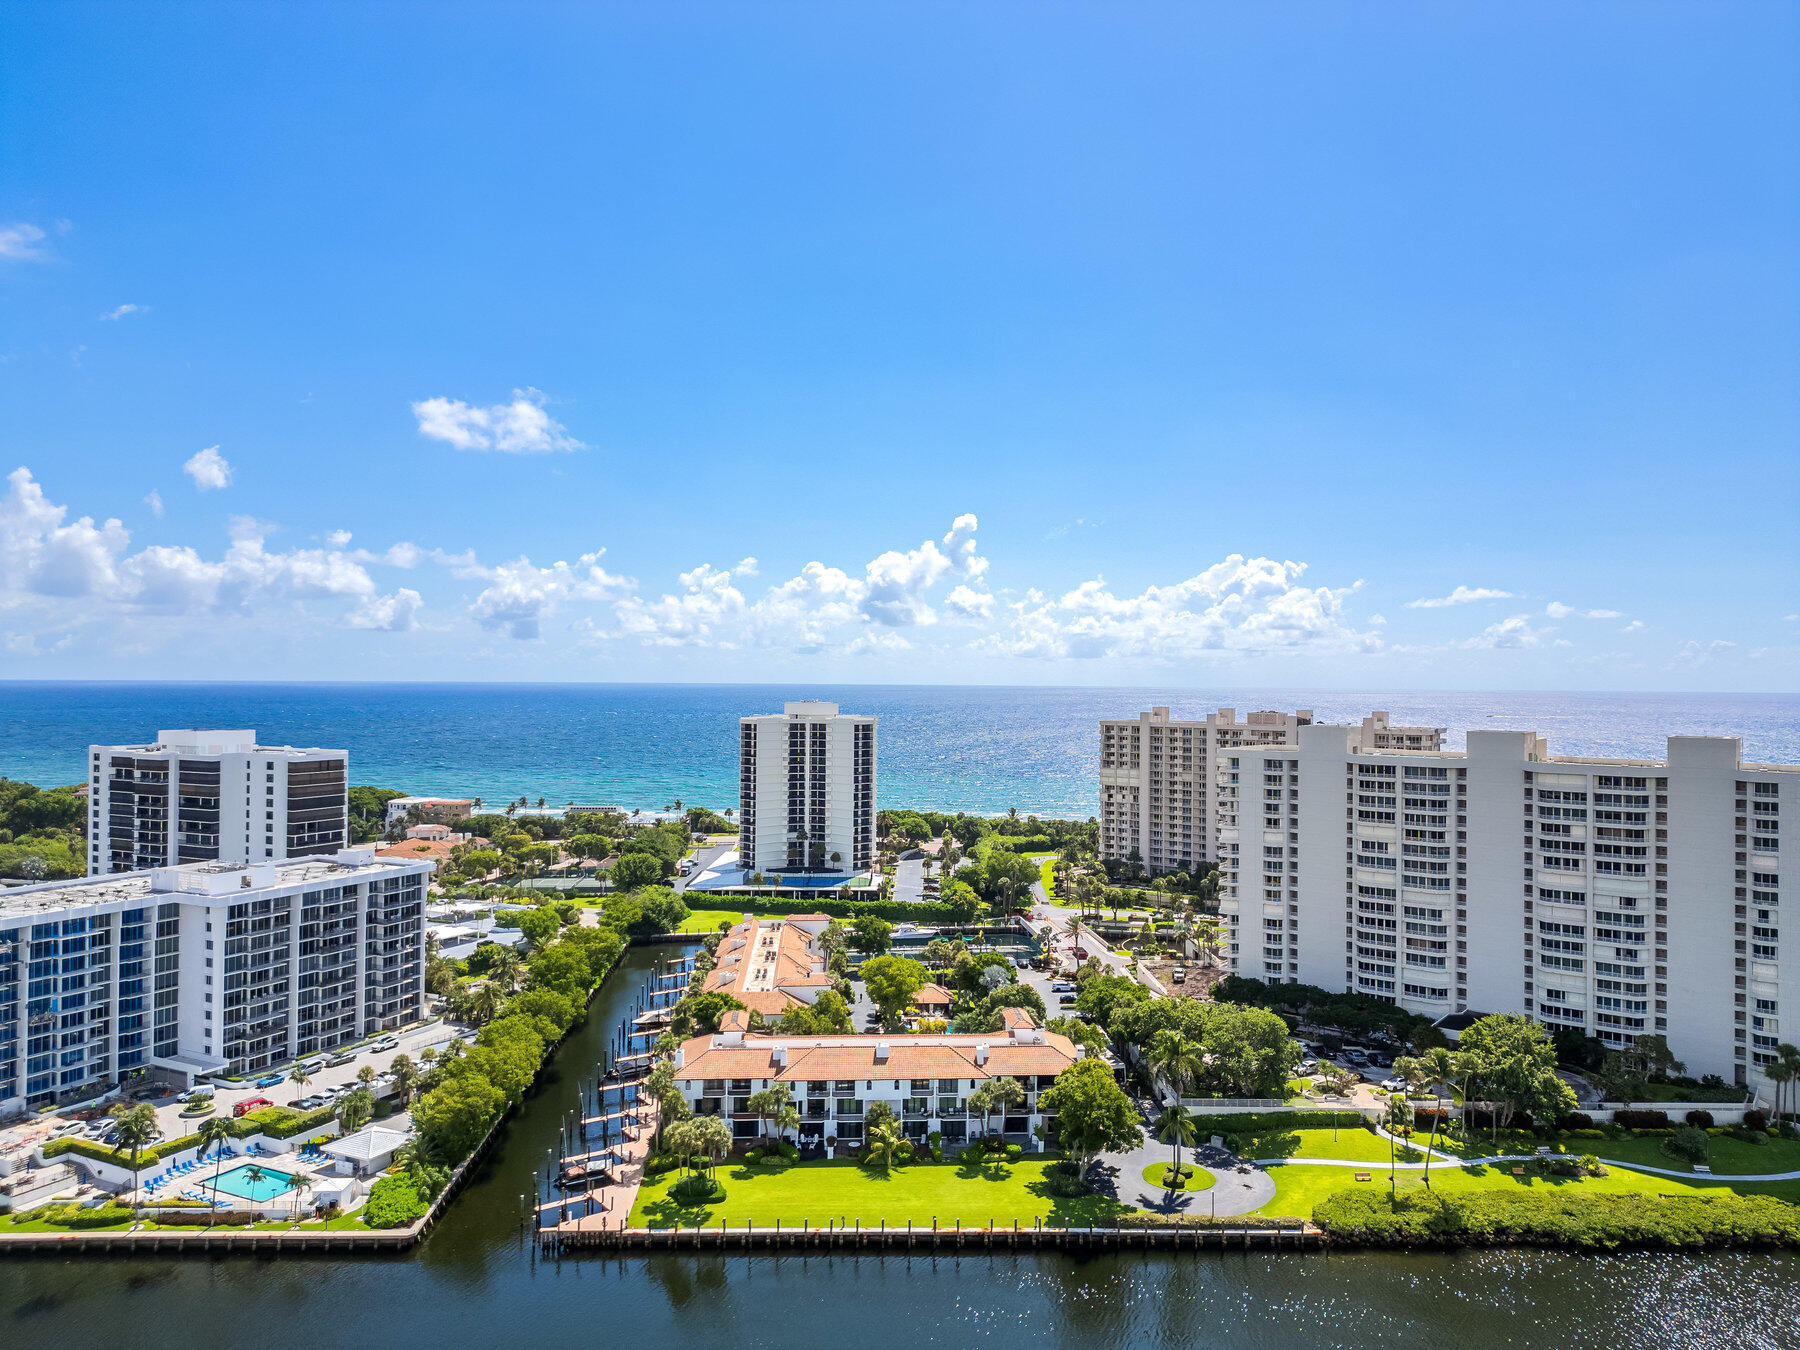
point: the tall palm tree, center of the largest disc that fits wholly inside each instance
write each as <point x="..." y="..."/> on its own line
<point x="298" y="1183"/>
<point x="1176" y="1127"/>
<point x="1176" y="1058"/>
<point x="136" y="1127"/>
<point x="1788" y="1058"/>
<point x="486" y="1003"/>
<point x="406" y="1078"/>
<point x="213" y="1133"/>
<point x="300" y="1075"/>
<point x="1399" y="1116"/>
<point x="1437" y="1066"/>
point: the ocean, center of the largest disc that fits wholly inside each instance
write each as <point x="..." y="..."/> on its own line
<point x="942" y="747"/>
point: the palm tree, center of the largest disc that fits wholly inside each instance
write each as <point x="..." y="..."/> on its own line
<point x="995" y="1097"/>
<point x="354" y="1110"/>
<point x="1175" y="1127"/>
<point x="298" y="1183"/>
<point x="1399" y="1116"/>
<point x="508" y="968"/>
<point x="406" y="1078"/>
<point x="1437" y="1067"/>
<point x="486" y="1003"/>
<point x="1788" y="1058"/>
<point x="366" y="1075"/>
<point x="136" y="1127"/>
<point x="883" y="1145"/>
<point x="213" y="1133"/>
<point x="1176" y="1058"/>
<point x="300" y="1075"/>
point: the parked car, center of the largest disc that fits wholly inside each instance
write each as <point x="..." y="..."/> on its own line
<point x="1393" y="1085"/>
<point x="1064" y="987"/>
<point x="269" y="1080"/>
<point x="312" y="1103"/>
<point x="341" y="1057"/>
<point x="250" y="1104"/>
<point x="1309" y="1066"/>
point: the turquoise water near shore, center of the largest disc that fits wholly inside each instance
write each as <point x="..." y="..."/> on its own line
<point x="957" y="748"/>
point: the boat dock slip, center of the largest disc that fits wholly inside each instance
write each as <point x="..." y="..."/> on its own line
<point x="607" y="1230"/>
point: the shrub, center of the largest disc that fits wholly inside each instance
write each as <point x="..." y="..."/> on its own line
<point x="698" y="1189"/>
<point x="1641" y="1120"/>
<point x="1580" y="1220"/>
<point x="75" y="1216"/>
<point x="394" y="1201"/>
<point x="1756" y="1119"/>
<point x="974" y="1153"/>
<point x="1688" y="1143"/>
<point x="1755" y="1137"/>
<point x="788" y="1151"/>
<point x="1014" y="1152"/>
<point x="1575" y="1120"/>
<point x="658" y="1163"/>
<point x="1063" y="1181"/>
<point x="1265" y="1122"/>
<point x="1699" y="1119"/>
<point x="753" y="1156"/>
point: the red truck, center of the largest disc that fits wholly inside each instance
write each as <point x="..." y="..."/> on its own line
<point x="244" y="1108"/>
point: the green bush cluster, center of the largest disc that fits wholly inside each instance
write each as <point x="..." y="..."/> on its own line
<point x="698" y="1189"/>
<point x="1143" y="1219"/>
<point x="1581" y="1221"/>
<point x="1266" y="1122"/>
<point x="394" y="1202"/>
<point x="76" y="1216"/>
<point x="470" y="1091"/>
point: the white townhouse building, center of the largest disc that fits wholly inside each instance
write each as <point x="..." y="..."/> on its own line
<point x="204" y="968"/>
<point x="1619" y="897"/>
<point x="834" y="1080"/>
<point x="204" y="796"/>
<point x="1158" y="795"/>
<point x="806" y="791"/>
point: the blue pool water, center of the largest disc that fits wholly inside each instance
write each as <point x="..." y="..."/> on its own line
<point x="241" y="1182"/>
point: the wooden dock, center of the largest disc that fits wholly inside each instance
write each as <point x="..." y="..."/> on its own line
<point x="600" y="1232"/>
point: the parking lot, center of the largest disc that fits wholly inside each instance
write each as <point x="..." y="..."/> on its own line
<point x="324" y="1085"/>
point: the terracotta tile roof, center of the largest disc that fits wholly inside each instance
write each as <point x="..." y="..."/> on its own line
<point x="933" y="996"/>
<point x="826" y="1058"/>
<point x="760" y="959"/>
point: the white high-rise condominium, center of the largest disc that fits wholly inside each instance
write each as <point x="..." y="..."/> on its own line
<point x="204" y="968"/>
<point x="1617" y="897"/>
<point x="1158" y="797"/>
<point x="203" y="796"/>
<point x="806" y="791"/>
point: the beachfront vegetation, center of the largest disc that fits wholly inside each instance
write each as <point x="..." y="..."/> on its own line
<point x="42" y="832"/>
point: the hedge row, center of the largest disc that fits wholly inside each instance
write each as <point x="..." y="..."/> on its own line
<point x="931" y="911"/>
<point x="1495" y="1218"/>
<point x="273" y="1123"/>
<point x="1265" y="1121"/>
<point x="76" y="1216"/>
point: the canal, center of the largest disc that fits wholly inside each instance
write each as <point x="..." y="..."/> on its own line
<point x="475" y="1282"/>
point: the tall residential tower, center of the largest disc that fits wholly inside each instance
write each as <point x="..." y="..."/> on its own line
<point x="806" y="791"/>
<point x="206" y="796"/>
<point x="1158" y="797"/>
<point x="1616" y="897"/>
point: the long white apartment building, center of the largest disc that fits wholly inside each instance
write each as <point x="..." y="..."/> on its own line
<point x="204" y="968"/>
<point x="205" y="796"/>
<point x="1618" y="897"/>
<point x="806" y="791"/>
<point x="1158" y="797"/>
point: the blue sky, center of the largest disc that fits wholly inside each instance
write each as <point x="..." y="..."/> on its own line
<point x="1397" y="346"/>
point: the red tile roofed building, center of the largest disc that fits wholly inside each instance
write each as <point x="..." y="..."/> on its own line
<point x="926" y="1079"/>
<point x="933" y="1000"/>
<point x="771" y="965"/>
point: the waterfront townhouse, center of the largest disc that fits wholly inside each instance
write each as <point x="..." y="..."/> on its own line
<point x="204" y="968"/>
<point x="771" y="965"/>
<point x="1616" y="897"/>
<point x="203" y="796"/>
<point x="1158" y="797"/>
<point x="836" y="1079"/>
<point x="806" y="791"/>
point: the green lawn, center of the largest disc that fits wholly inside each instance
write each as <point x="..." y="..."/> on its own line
<point x="1350" y="1142"/>
<point x="1046" y="871"/>
<point x="820" y="1192"/>
<point x="1300" y="1186"/>
<point x="1723" y="1154"/>
<point x="708" y="920"/>
<point x="1197" y="1180"/>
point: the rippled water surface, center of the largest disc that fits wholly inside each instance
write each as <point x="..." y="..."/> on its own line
<point x="947" y="748"/>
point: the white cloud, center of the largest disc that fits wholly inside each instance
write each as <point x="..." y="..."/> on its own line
<point x="1696" y="653"/>
<point x="396" y="613"/>
<point x="1557" y="610"/>
<point x="520" y="427"/>
<point x="878" y="643"/>
<point x="1508" y="634"/>
<point x="153" y="500"/>
<point x="1237" y="605"/>
<point x="1462" y="595"/>
<point x="1633" y="626"/>
<point x="520" y="596"/>
<point x="114" y="315"/>
<point x="339" y="538"/>
<point x="209" y="469"/>
<point x="968" y="603"/>
<point x="745" y="568"/>
<point x="42" y="555"/>
<point x="19" y="243"/>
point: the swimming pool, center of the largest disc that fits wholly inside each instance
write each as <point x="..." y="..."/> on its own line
<point x="249" y="1182"/>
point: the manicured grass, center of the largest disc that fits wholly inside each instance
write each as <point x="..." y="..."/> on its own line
<point x="821" y="1192"/>
<point x="1723" y="1154"/>
<point x="1300" y="1186"/>
<point x="708" y="920"/>
<point x="1349" y="1142"/>
<point x="1198" y="1178"/>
